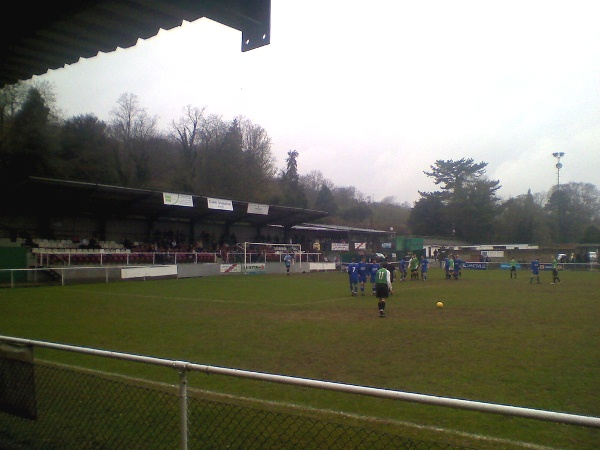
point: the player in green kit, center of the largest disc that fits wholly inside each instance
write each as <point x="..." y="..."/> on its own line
<point x="555" y="277"/>
<point x="383" y="288"/>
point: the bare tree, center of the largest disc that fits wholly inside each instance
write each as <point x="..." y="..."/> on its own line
<point x="313" y="183"/>
<point x="189" y="132"/>
<point x="135" y="130"/>
<point x="256" y="144"/>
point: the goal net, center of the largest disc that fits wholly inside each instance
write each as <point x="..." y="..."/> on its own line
<point x="269" y="252"/>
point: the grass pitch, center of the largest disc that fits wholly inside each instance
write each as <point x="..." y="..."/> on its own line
<point x="496" y="340"/>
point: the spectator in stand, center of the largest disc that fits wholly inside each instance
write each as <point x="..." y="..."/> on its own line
<point x="127" y="244"/>
<point x="93" y="243"/>
<point x="84" y="243"/>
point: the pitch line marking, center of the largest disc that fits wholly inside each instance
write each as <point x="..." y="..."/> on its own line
<point x="165" y="298"/>
<point x="83" y="291"/>
<point x="158" y="384"/>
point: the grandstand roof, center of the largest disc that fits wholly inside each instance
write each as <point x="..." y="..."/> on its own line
<point x="46" y="196"/>
<point x="340" y="229"/>
<point x="49" y="35"/>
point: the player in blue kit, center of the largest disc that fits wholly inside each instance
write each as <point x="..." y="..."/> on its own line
<point x="353" y="276"/>
<point x="456" y="272"/>
<point x="373" y="272"/>
<point x="535" y="270"/>
<point x="362" y="274"/>
<point x="402" y="269"/>
<point x="424" y="267"/>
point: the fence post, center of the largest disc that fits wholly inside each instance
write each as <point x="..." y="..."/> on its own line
<point x="183" y="425"/>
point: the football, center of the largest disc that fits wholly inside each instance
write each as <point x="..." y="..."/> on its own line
<point x="440" y="305"/>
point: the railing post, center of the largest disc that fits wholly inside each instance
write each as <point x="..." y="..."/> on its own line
<point x="183" y="425"/>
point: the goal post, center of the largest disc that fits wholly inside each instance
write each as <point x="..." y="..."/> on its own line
<point x="262" y="250"/>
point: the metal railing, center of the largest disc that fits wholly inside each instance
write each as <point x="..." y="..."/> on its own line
<point x="255" y="257"/>
<point x="79" y="409"/>
<point x="58" y="258"/>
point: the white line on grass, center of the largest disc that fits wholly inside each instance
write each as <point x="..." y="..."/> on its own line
<point x="301" y="408"/>
<point x="164" y="297"/>
<point x="202" y="299"/>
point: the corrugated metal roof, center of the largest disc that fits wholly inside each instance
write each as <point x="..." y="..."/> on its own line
<point x="35" y="38"/>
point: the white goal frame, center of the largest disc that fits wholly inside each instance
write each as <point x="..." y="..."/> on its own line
<point x="280" y="248"/>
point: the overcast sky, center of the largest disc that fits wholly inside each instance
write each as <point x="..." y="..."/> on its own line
<point x="373" y="93"/>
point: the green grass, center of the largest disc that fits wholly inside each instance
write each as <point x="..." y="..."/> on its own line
<point x="496" y="340"/>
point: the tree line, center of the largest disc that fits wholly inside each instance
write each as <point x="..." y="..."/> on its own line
<point x="466" y="206"/>
<point x="204" y="154"/>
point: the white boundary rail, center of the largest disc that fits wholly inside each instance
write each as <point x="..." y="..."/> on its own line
<point x="184" y="366"/>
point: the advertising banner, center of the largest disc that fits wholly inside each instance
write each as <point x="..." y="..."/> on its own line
<point x="178" y="199"/>
<point x="340" y="246"/>
<point x="255" y="208"/>
<point x="230" y="268"/>
<point x="506" y="266"/>
<point x="254" y="268"/>
<point x="143" y="272"/>
<point x="475" y="265"/>
<point x="217" y="203"/>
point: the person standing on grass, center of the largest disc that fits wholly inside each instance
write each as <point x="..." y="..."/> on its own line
<point x="513" y="268"/>
<point x="287" y="259"/>
<point x="362" y="274"/>
<point x="383" y="288"/>
<point x="374" y="267"/>
<point x="353" y="276"/>
<point x="414" y="267"/>
<point x="392" y="270"/>
<point x="402" y="268"/>
<point x="456" y="267"/>
<point x="447" y="267"/>
<point x="535" y="270"/>
<point x="424" y="267"/>
<point x="450" y="267"/>
<point x="555" y="271"/>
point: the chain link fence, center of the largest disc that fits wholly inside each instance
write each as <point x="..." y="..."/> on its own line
<point x="46" y="406"/>
<point x="80" y="410"/>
